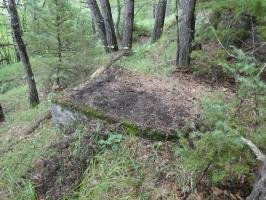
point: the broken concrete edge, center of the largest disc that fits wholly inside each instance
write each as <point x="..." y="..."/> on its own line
<point x="132" y="128"/>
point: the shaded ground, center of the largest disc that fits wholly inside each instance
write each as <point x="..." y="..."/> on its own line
<point x="165" y="104"/>
<point x="56" y="176"/>
<point x="137" y="169"/>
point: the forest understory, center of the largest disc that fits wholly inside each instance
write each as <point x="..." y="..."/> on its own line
<point x="149" y="121"/>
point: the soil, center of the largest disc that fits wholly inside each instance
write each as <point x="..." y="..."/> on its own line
<point x="164" y="104"/>
<point x="56" y="176"/>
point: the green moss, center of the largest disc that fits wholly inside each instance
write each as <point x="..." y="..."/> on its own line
<point x="131" y="128"/>
<point x="86" y="110"/>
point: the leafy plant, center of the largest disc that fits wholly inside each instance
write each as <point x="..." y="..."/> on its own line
<point x="112" y="141"/>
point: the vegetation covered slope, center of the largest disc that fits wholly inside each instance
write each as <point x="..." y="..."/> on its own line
<point x="211" y="162"/>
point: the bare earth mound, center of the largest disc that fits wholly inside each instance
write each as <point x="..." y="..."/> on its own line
<point x="156" y="106"/>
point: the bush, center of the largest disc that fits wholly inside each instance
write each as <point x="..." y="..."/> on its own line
<point x="219" y="149"/>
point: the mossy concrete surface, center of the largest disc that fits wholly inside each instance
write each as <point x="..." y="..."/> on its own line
<point x="143" y="105"/>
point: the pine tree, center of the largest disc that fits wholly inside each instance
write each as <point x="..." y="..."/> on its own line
<point x="53" y="32"/>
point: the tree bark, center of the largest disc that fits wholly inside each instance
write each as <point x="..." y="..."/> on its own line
<point x="2" y="117"/>
<point x="117" y="24"/>
<point x="59" y="44"/>
<point x="128" y="24"/>
<point x="154" y="9"/>
<point x="16" y="49"/>
<point x="14" y="20"/>
<point x="259" y="190"/>
<point x="99" y="22"/>
<point x="93" y="27"/>
<point x="186" y="30"/>
<point x="159" y="21"/>
<point x="109" y="25"/>
<point x="169" y="8"/>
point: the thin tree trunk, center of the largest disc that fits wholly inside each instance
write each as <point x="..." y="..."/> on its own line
<point x="159" y="21"/>
<point x="109" y="25"/>
<point x="59" y="45"/>
<point x="15" y="48"/>
<point x="93" y="27"/>
<point x="99" y="22"/>
<point x="177" y="28"/>
<point x="154" y="9"/>
<point x="2" y="117"/>
<point x="186" y="31"/>
<point x="128" y="24"/>
<point x="117" y="24"/>
<point x="169" y="8"/>
<point x="14" y="20"/>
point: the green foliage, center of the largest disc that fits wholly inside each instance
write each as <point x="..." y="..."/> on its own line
<point x="112" y="141"/>
<point x="232" y="20"/>
<point x="55" y="27"/>
<point x="262" y="31"/>
<point x="220" y="148"/>
<point x="255" y="7"/>
<point x="7" y="51"/>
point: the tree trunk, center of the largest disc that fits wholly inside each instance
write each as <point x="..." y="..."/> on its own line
<point x="259" y="190"/>
<point x="14" y="20"/>
<point x="159" y="21"/>
<point x="154" y="9"/>
<point x="59" y="44"/>
<point x="186" y="31"/>
<point x="2" y="117"/>
<point x="93" y="27"/>
<point x="99" y="22"/>
<point x="15" y="48"/>
<point x="109" y="25"/>
<point x="128" y="24"/>
<point x="169" y="8"/>
<point x="117" y="24"/>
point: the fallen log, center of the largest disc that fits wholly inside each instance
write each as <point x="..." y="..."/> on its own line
<point x="36" y="123"/>
<point x="29" y="129"/>
<point x="115" y="57"/>
<point x="259" y="188"/>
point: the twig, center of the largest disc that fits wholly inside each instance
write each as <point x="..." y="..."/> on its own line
<point x="199" y="180"/>
<point x="261" y="70"/>
<point x="215" y="34"/>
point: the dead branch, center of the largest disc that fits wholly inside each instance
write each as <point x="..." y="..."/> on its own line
<point x="115" y="57"/>
<point x="108" y="65"/>
<point x="259" y="190"/>
<point x="215" y="34"/>
<point x="29" y="129"/>
<point x="261" y="70"/>
<point x="36" y="123"/>
<point x="260" y="156"/>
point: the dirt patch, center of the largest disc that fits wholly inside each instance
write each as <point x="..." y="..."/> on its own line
<point x="165" y="104"/>
<point x="58" y="175"/>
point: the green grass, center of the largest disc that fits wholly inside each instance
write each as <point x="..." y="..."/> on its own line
<point x="153" y="59"/>
<point x="9" y="72"/>
<point x="16" y="165"/>
<point x="17" y="162"/>
<point x="131" y="172"/>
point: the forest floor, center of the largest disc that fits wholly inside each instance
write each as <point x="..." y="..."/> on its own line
<point x="99" y="161"/>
